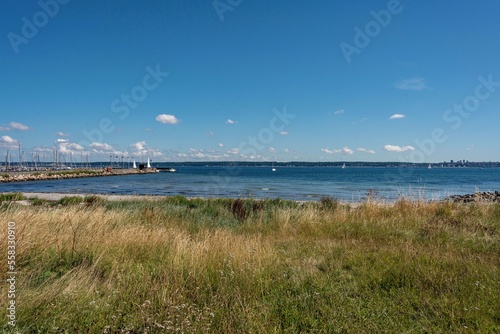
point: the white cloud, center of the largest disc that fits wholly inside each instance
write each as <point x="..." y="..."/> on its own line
<point x="4" y="128"/>
<point x="167" y="119"/>
<point x="75" y="146"/>
<point x="366" y="150"/>
<point x="19" y="126"/>
<point x="102" y="147"/>
<point x="394" y="148"/>
<point x="327" y="151"/>
<point x="65" y="146"/>
<point x="284" y="133"/>
<point x="8" y="142"/>
<point x="221" y="145"/>
<point x="209" y="133"/>
<point x="199" y="155"/>
<point x="44" y="149"/>
<point x="230" y="121"/>
<point x="207" y="155"/>
<point x="271" y="150"/>
<point x="62" y="134"/>
<point x="414" y="84"/>
<point x="345" y="150"/>
<point x="364" y="119"/>
<point x="138" y="146"/>
<point x="139" y="149"/>
<point x="287" y="150"/>
<point x="339" y="112"/>
<point x="397" y="116"/>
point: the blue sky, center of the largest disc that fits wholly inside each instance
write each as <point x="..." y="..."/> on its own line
<point x="251" y="80"/>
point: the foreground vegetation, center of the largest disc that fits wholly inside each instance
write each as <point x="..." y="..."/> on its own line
<point x="87" y="265"/>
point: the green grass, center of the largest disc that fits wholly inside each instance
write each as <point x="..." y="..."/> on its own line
<point x="246" y="266"/>
<point x="6" y="197"/>
<point x="35" y="201"/>
<point x="70" y="200"/>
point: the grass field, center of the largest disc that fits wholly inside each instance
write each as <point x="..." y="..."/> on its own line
<point x="246" y="266"/>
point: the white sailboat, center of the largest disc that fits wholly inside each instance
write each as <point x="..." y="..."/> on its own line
<point x="430" y="166"/>
<point x="134" y="166"/>
<point x="273" y="169"/>
<point x="343" y="166"/>
<point x="149" y="164"/>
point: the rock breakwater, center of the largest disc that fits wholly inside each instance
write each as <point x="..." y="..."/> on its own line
<point x="489" y="197"/>
<point x="58" y="175"/>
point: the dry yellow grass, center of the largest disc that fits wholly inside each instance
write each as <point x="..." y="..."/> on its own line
<point x="249" y="266"/>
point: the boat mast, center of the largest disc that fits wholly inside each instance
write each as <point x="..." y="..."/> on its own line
<point x="20" y="156"/>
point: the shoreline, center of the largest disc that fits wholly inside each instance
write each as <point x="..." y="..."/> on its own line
<point x="109" y="197"/>
<point x="479" y="197"/>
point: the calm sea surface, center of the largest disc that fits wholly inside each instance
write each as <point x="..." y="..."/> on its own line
<point x="307" y="183"/>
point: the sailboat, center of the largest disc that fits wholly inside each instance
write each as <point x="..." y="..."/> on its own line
<point x="273" y="169"/>
<point x="430" y="166"/>
<point x="343" y="166"/>
<point x="134" y="166"/>
<point x="149" y="164"/>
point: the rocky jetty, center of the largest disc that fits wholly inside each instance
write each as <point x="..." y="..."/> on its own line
<point x="55" y="175"/>
<point x="488" y="197"/>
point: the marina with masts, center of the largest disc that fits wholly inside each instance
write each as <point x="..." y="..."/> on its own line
<point x="16" y="161"/>
<point x="59" y="165"/>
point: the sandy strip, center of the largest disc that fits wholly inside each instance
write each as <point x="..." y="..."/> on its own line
<point x="58" y="196"/>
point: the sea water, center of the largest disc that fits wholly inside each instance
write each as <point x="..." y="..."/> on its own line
<point x="295" y="183"/>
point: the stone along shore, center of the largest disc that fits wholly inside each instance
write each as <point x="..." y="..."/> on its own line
<point x="67" y="174"/>
<point x="488" y="197"/>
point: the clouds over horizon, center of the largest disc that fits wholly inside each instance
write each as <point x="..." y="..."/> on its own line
<point x="395" y="148"/>
<point x="66" y="147"/>
<point x="364" y="150"/>
<point x="344" y="150"/>
<point x="140" y="149"/>
<point x="230" y="121"/>
<point x="101" y="147"/>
